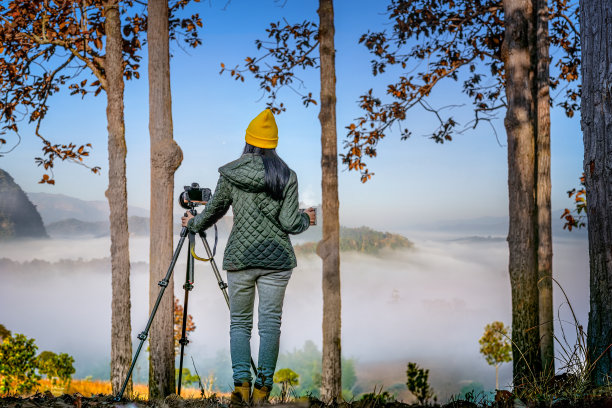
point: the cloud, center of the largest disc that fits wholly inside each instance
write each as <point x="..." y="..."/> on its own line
<point x="427" y="305"/>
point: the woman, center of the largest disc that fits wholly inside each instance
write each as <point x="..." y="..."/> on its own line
<point x="263" y="193"/>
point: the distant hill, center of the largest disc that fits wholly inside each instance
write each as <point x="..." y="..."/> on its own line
<point x="58" y="207"/>
<point x="362" y="239"/>
<point x="497" y="226"/>
<point x="18" y="216"/>
<point x="72" y="228"/>
<point x="35" y="266"/>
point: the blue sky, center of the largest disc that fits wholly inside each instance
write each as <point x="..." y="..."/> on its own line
<point x="415" y="180"/>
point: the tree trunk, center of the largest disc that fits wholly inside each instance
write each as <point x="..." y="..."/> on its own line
<point x="522" y="234"/>
<point x="121" y="344"/>
<point x="596" y="108"/>
<point x="497" y="376"/>
<point x="329" y="248"/>
<point x="542" y="119"/>
<point x="166" y="157"/>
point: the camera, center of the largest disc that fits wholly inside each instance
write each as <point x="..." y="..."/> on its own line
<point x="193" y="196"/>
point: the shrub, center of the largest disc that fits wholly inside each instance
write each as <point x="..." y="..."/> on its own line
<point x="57" y="367"/>
<point x="417" y="383"/>
<point x="18" y="364"/>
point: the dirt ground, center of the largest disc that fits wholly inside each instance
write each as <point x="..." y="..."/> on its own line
<point x="47" y="399"/>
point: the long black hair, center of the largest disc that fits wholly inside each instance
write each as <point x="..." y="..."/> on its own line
<point x="276" y="170"/>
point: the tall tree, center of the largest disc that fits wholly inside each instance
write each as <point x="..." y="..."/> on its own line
<point x="329" y="247"/>
<point x="520" y="123"/>
<point x="543" y="187"/>
<point x="473" y="37"/>
<point x="166" y="157"/>
<point x="121" y="327"/>
<point x="596" y="105"/>
<point x="290" y="47"/>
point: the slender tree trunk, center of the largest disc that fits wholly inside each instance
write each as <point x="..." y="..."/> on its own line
<point x="542" y="119"/>
<point x="121" y="344"/>
<point x="596" y="108"/>
<point x="166" y="157"/>
<point x="522" y="234"/>
<point x="329" y="247"/>
<point x="497" y="376"/>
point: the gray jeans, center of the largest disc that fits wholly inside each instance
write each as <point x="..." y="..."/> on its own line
<point x="271" y="286"/>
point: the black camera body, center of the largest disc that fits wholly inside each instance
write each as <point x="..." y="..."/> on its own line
<point x="193" y="196"/>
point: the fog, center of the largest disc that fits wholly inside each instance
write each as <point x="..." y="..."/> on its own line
<point x="428" y="305"/>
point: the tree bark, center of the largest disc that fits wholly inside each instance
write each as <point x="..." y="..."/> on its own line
<point x="522" y="234"/>
<point x="166" y="156"/>
<point x="329" y="248"/>
<point x="596" y="108"/>
<point x="121" y="345"/>
<point x="544" y="229"/>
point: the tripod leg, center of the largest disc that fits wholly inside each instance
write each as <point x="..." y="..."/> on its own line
<point x="143" y="335"/>
<point x="222" y="285"/>
<point x="187" y="286"/>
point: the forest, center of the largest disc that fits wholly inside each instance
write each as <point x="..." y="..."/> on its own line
<point x="439" y="228"/>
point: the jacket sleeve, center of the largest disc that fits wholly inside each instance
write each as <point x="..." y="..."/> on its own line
<point x="292" y="220"/>
<point x="215" y="208"/>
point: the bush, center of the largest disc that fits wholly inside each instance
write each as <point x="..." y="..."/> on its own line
<point x="57" y="368"/>
<point x="417" y="383"/>
<point x="18" y="364"/>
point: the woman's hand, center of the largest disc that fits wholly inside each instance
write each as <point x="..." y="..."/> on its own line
<point x="312" y="213"/>
<point x="185" y="219"/>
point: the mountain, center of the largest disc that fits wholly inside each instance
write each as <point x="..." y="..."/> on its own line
<point x="19" y="218"/>
<point x="496" y="226"/>
<point x="58" y="207"/>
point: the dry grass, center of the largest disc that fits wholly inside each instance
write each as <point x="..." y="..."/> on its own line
<point x="89" y="388"/>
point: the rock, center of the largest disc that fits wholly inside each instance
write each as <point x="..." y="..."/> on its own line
<point x="19" y="218"/>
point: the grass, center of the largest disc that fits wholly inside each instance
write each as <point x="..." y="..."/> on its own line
<point x="91" y="388"/>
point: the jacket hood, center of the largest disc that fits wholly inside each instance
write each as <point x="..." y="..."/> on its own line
<point x="246" y="173"/>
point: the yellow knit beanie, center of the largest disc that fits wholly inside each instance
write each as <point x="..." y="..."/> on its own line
<point x="262" y="131"/>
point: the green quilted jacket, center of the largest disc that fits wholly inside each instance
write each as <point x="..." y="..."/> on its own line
<point x="259" y="237"/>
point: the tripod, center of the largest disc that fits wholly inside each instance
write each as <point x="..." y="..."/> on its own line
<point x="188" y="286"/>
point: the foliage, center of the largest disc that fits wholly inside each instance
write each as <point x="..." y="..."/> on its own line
<point x="57" y="367"/>
<point x="433" y="41"/>
<point x="377" y="398"/>
<point x="290" y="47"/>
<point x="4" y="332"/>
<point x="286" y="377"/>
<point x="47" y="45"/>
<point x="178" y="325"/>
<point x="187" y="378"/>
<point x="18" y="364"/>
<point x="495" y="344"/>
<point x="417" y="383"/>
<point x="575" y="218"/>
<point x="362" y="239"/>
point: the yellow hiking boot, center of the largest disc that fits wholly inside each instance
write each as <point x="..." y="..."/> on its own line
<point x="260" y="395"/>
<point x="241" y="396"/>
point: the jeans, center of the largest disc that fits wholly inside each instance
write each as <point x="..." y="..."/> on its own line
<point x="271" y="286"/>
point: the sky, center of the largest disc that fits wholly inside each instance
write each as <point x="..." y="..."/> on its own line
<point x="414" y="180"/>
